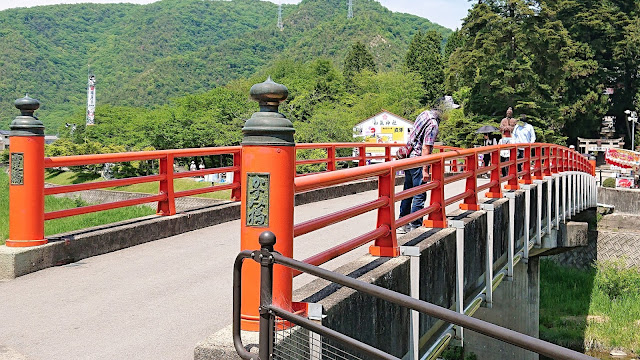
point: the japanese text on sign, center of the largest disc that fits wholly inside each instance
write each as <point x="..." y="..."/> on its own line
<point x="257" y="200"/>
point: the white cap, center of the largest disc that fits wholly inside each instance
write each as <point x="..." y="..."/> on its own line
<point x="449" y="101"/>
<point x="571" y="147"/>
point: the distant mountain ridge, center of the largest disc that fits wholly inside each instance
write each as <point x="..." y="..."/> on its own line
<point x="144" y="55"/>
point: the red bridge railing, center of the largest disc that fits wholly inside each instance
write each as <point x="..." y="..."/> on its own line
<point x="548" y="159"/>
<point x="166" y="195"/>
<point x="362" y="154"/>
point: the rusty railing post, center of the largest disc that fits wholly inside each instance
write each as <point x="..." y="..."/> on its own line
<point x="267" y="175"/>
<point x="26" y="183"/>
<point x="167" y="206"/>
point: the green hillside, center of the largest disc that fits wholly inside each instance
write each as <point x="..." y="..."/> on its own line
<point x="144" y="55"/>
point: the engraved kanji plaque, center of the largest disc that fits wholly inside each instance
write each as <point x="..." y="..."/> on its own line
<point x="17" y="168"/>
<point x="257" y="200"/>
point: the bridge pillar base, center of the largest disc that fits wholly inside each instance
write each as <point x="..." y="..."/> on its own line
<point x="516" y="305"/>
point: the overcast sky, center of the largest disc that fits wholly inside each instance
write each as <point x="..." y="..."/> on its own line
<point x="448" y="13"/>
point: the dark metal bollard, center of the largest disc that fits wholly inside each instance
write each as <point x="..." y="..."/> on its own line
<point x="267" y="240"/>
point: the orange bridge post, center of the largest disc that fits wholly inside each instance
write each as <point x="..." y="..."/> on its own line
<point x="26" y="184"/>
<point x="267" y="199"/>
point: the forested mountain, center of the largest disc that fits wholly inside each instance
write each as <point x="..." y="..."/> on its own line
<point x="144" y="55"/>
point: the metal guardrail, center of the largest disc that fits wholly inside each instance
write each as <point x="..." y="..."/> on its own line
<point x="267" y="257"/>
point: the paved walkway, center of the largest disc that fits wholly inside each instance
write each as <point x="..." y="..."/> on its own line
<point x="151" y="301"/>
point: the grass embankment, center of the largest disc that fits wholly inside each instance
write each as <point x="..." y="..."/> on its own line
<point x="594" y="310"/>
<point x="68" y="177"/>
<point x="70" y="223"/>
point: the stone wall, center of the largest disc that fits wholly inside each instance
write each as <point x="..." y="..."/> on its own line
<point x="617" y="236"/>
<point x="624" y="200"/>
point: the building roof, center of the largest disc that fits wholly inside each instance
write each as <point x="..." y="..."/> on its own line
<point x="385" y="111"/>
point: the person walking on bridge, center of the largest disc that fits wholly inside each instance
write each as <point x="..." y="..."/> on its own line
<point x="523" y="133"/>
<point x="421" y="141"/>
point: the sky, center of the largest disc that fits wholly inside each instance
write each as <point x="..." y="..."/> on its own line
<point x="448" y="13"/>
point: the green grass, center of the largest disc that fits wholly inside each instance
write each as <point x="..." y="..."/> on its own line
<point x="598" y="309"/>
<point x="69" y="177"/>
<point x="69" y="223"/>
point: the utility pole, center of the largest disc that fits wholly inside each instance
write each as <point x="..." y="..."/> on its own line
<point x="350" y="12"/>
<point x="91" y="99"/>
<point x="632" y="117"/>
<point x="280" y="25"/>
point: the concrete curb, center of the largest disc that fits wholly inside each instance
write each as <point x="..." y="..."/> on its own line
<point x="77" y="245"/>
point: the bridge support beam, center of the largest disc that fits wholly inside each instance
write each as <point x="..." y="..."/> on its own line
<point x="527" y="221"/>
<point x="512" y="233"/>
<point x="516" y="306"/>
<point x="539" y="186"/>
<point x="488" y="269"/>
<point x="459" y="226"/>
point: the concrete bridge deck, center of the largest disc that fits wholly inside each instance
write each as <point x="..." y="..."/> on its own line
<point x="151" y="301"/>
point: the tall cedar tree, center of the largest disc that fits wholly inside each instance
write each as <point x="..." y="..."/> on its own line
<point x="357" y="60"/>
<point x="425" y="58"/>
<point x="519" y="53"/>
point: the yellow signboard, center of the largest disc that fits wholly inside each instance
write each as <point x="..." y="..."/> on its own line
<point x="396" y="131"/>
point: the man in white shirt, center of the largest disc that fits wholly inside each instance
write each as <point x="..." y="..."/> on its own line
<point x="523" y="133"/>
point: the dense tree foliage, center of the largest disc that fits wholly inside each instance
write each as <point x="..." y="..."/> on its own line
<point x="425" y="58"/>
<point x="358" y="59"/>
<point x="176" y="73"/>
<point x="549" y="59"/>
<point x="320" y="107"/>
<point x="145" y="55"/>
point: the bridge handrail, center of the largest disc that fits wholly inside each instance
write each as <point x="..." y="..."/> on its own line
<point x="167" y="195"/>
<point x="548" y="159"/>
<point x="266" y="257"/>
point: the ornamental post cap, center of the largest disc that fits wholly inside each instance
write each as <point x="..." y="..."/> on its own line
<point x="268" y="127"/>
<point x="26" y="124"/>
<point x="269" y="95"/>
<point x="27" y="105"/>
<point x="267" y="238"/>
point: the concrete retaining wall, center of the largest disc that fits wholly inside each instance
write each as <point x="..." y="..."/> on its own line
<point x="624" y="200"/>
<point x="617" y="236"/>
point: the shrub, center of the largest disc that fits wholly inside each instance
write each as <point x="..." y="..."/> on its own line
<point x="4" y="157"/>
<point x="609" y="183"/>
<point x="616" y="279"/>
